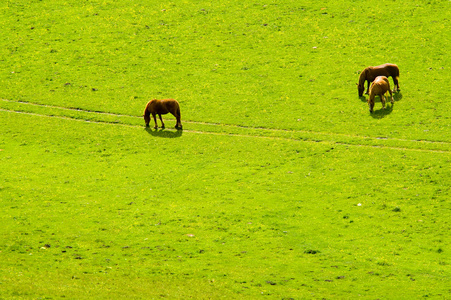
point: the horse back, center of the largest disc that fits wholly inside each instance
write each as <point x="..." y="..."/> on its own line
<point x="386" y="70"/>
<point x="163" y="106"/>
<point x="379" y="86"/>
<point x="171" y="104"/>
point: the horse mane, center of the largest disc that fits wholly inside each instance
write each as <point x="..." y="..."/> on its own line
<point x="363" y="76"/>
<point x="146" y="112"/>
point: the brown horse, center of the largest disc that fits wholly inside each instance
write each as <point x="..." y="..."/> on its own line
<point x="162" y="107"/>
<point x="379" y="87"/>
<point x="370" y="73"/>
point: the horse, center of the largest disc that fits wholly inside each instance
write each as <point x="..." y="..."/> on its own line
<point x="379" y="87"/>
<point x="162" y="107"/>
<point x="370" y="73"/>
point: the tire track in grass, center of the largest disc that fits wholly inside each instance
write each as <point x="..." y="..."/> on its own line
<point x="44" y="110"/>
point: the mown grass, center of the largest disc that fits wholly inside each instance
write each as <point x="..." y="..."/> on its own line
<point x="282" y="185"/>
<point x="268" y="65"/>
<point x="104" y="213"/>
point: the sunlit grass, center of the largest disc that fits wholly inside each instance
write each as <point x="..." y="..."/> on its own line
<point x="282" y="185"/>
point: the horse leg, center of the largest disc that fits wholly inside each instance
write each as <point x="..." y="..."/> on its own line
<point x="162" y="124"/>
<point x="370" y="104"/>
<point x="382" y="100"/>
<point x="178" y="125"/>
<point x="177" y="118"/>
<point x="396" y="84"/>
<point x="368" y="88"/>
<point x="391" y="95"/>
<point x="155" y="119"/>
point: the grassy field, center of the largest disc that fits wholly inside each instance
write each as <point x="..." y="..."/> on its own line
<point x="282" y="185"/>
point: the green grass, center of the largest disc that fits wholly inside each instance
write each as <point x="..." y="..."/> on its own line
<point x="282" y="184"/>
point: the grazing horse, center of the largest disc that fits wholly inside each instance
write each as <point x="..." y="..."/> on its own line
<point x="162" y="107"/>
<point x="370" y="73"/>
<point x="379" y="87"/>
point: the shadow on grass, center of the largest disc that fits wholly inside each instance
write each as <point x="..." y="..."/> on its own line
<point x="164" y="133"/>
<point x="397" y="96"/>
<point x="381" y="113"/>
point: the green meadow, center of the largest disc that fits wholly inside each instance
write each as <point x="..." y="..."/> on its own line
<point x="282" y="185"/>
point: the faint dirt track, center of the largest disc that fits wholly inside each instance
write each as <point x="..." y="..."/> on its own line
<point x="68" y="113"/>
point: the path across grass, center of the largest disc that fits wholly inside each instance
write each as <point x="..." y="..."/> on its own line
<point x="281" y="186"/>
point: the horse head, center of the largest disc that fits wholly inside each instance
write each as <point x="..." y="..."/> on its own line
<point x="360" y="88"/>
<point x="146" y="116"/>
<point x="361" y="84"/>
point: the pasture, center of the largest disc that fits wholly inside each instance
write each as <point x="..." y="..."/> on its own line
<point x="282" y="185"/>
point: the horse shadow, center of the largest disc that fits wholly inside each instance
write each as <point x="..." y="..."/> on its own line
<point x="397" y="96"/>
<point x="164" y="133"/>
<point x="381" y="113"/>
